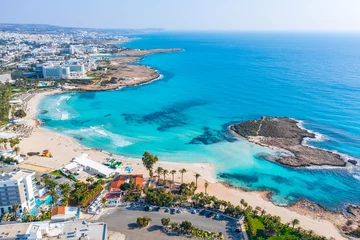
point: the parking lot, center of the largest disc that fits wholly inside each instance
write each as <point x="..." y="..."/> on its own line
<point x="123" y="220"/>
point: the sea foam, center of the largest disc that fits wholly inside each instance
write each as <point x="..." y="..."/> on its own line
<point x="100" y="131"/>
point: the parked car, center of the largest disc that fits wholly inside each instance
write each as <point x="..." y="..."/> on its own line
<point x="156" y="209"/>
<point x="58" y="177"/>
<point x="147" y="208"/>
<point x="167" y="210"/>
<point x="210" y="214"/>
<point x="179" y="210"/>
<point x="203" y="212"/>
<point x="193" y="211"/>
<point x="172" y="211"/>
<point x="217" y="217"/>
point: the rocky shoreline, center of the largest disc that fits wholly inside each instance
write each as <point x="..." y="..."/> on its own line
<point x="121" y="72"/>
<point x="284" y="133"/>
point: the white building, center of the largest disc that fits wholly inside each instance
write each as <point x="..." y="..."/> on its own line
<point x="17" y="188"/>
<point x="6" y="78"/>
<point x="93" y="167"/>
<point x="78" y="229"/>
<point x="56" y="72"/>
<point x="64" y="71"/>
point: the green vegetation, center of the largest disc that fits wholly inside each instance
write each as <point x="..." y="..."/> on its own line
<point x="149" y="162"/>
<point x="165" y="221"/>
<point x="186" y="228"/>
<point x="44" y="215"/>
<point x="65" y="192"/>
<point x="56" y="173"/>
<point x="5" y="94"/>
<point x="158" y="197"/>
<point x="20" y="113"/>
<point x="182" y="171"/>
<point x="84" y="193"/>
<point x="133" y="191"/>
<point x="143" y="221"/>
<point x="8" y="160"/>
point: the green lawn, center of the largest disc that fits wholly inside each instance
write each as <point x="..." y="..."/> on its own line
<point x="56" y="173"/>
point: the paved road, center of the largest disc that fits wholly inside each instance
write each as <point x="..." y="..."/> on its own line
<point x="124" y="221"/>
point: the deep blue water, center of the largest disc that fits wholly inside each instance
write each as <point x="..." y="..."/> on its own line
<point x="222" y="78"/>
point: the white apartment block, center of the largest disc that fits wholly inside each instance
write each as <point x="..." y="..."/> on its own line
<point x="64" y="71"/>
<point x="17" y="188"/>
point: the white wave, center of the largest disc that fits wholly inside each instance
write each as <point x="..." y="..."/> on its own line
<point x="96" y="131"/>
<point x="356" y="176"/>
<point x="318" y="136"/>
<point x="63" y="98"/>
<point x="65" y="116"/>
<point x="321" y="138"/>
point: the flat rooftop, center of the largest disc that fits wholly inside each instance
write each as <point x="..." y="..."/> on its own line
<point x="62" y="230"/>
<point x="76" y="229"/>
<point x="15" y="175"/>
<point x="13" y="230"/>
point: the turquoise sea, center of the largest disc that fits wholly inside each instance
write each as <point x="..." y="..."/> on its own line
<point x="223" y="78"/>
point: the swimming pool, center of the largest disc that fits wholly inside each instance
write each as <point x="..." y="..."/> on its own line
<point x="47" y="201"/>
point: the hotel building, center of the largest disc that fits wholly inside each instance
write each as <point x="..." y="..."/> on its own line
<point x="17" y="188"/>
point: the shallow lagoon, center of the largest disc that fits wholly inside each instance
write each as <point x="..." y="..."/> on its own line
<point x="225" y="78"/>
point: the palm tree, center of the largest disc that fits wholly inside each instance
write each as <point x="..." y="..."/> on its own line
<point x="242" y="201"/>
<point x="90" y="180"/>
<point x="5" y="141"/>
<point x="263" y="212"/>
<point x="206" y="185"/>
<point x="159" y="171"/>
<point x="54" y="196"/>
<point x="295" y="222"/>
<point x="15" y="208"/>
<point x="165" y="172"/>
<point x="17" y="150"/>
<point x="103" y="201"/>
<point x="182" y="171"/>
<point x="196" y="177"/>
<point x="173" y="173"/>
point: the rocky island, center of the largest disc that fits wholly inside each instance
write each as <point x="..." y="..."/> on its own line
<point x="284" y="133"/>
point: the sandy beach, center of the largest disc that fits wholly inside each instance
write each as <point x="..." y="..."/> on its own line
<point x="64" y="148"/>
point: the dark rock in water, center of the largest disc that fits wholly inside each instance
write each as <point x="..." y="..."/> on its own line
<point x="280" y="179"/>
<point x="284" y="133"/>
<point x="242" y="177"/>
<point x="168" y="117"/>
<point x="78" y="138"/>
<point x="78" y="122"/>
<point x="211" y="136"/>
<point x="43" y="112"/>
<point x="107" y="115"/>
<point x="87" y="95"/>
<point x="267" y="156"/>
<point x="354" y="162"/>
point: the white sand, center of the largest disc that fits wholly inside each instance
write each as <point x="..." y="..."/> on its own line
<point x="64" y="148"/>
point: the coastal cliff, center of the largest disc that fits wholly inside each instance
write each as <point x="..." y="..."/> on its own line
<point x="284" y="133"/>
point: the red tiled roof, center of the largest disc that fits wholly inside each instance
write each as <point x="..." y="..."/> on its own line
<point x="58" y="210"/>
<point x="121" y="179"/>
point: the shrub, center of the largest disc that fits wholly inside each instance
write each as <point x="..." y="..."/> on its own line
<point x="125" y="186"/>
<point x="20" y="113"/>
<point x="165" y="221"/>
<point x="143" y="221"/>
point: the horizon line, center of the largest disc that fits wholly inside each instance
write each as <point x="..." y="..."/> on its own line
<point x="197" y="30"/>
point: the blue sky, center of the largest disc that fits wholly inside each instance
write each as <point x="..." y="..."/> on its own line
<point x="290" y="15"/>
